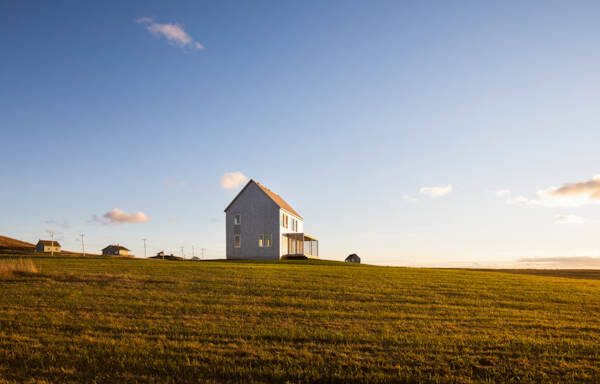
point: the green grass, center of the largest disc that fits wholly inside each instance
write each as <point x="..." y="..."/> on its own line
<point x="125" y="320"/>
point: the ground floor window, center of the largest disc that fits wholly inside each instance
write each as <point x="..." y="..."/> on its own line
<point x="237" y="241"/>
<point x="264" y="240"/>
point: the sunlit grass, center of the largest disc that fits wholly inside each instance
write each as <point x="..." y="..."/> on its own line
<point x="120" y="320"/>
<point x="10" y="267"/>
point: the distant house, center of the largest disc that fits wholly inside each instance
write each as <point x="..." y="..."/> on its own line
<point x="47" y="246"/>
<point x="261" y="225"/>
<point x="353" y="258"/>
<point x="163" y="256"/>
<point x="115" y="250"/>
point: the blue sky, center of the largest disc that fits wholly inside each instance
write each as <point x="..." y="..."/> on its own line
<point x="347" y="109"/>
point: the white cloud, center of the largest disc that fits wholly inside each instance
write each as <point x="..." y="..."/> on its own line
<point x="568" y="195"/>
<point x="517" y="200"/>
<point x="437" y="191"/>
<point x="233" y="180"/>
<point x="409" y="199"/>
<point x="174" y="33"/>
<point x="567" y="219"/>
<point x="503" y="192"/>
<point x="118" y="217"/>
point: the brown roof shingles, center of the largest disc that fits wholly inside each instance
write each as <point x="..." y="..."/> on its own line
<point x="116" y="247"/>
<point x="272" y="195"/>
<point x="277" y="199"/>
<point x="49" y="242"/>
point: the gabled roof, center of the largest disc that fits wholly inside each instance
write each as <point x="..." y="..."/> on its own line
<point x="272" y="195"/>
<point x="49" y="242"/>
<point x="116" y="247"/>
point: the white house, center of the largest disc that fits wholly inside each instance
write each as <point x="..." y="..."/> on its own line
<point x="260" y="225"/>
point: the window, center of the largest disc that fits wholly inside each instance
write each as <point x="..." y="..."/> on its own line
<point x="264" y="240"/>
<point x="237" y="241"/>
<point x="237" y="219"/>
<point x="284" y="220"/>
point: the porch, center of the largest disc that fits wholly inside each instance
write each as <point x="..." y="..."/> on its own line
<point x="299" y="246"/>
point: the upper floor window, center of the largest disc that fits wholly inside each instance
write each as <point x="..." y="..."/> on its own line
<point x="284" y="220"/>
<point x="237" y="219"/>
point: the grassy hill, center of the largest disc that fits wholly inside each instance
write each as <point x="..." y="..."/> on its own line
<point x="128" y="320"/>
<point x="13" y="245"/>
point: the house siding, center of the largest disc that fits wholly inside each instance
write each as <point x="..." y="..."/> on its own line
<point x="259" y="214"/>
<point x="282" y="230"/>
<point x="46" y="248"/>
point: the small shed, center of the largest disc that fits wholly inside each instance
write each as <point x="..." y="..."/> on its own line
<point x="353" y="258"/>
<point x="47" y="246"/>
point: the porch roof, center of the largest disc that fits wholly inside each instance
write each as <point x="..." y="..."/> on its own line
<point x="300" y="236"/>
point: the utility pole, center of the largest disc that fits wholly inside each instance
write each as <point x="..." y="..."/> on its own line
<point x="82" y="246"/>
<point x="182" y="252"/>
<point x="52" y="247"/>
<point x="192" y="251"/>
<point x="144" y="239"/>
<point x="203" y="253"/>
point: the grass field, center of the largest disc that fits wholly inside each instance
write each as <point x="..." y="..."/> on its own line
<point x="126" y="320"/>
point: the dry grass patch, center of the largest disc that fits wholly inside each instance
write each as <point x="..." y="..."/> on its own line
<point x="13" y="267"/>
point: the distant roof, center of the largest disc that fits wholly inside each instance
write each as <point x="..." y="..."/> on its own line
<point x="116" y="247"/>
<point x="272" y="195"/>
<point x="49" y="242"/>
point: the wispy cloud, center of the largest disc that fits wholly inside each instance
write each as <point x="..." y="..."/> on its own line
<point x="233" y="180"/>
<point x="589" y="188"/>
<point x="173" y="32"/>
<point x="409" y="199"/>
<point x="57" y="234"/>
<point x="55" y="223"/>
<point x="567" y="219"/>
<point x="436" y="191"/>
<point x="564" y="262"/>
<point x="503" y="192"/>
<point x="118" y="217"/>
<point x="568" y="195"/>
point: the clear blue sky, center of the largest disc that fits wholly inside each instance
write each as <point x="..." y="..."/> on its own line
<point x="345" y="108"/>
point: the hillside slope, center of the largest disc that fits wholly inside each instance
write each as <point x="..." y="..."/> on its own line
<point x="9" y="245"/>
<point x="124" y="320"/>
<point x="7" y="242"/>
